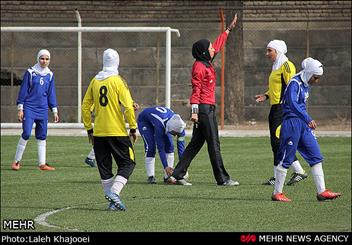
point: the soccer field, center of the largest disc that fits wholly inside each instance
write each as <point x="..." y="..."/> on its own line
<point x="71" y="198"/>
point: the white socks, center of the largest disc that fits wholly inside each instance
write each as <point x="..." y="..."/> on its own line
<point x="318" y="176"/>
<point x="150" y="166"/>
<point x="107" y="184"/>
<point x="114" y="185"/>
<point x="170" y="157"/>
<point x="91" y="154"/>
<point x="21" y="146"/>
<point x="119" y="183"/>
<point x="297" y="168"/>
<point x="280" y="177"/>
<point x="41" y="151"/>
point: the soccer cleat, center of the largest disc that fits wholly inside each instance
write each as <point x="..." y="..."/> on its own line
<point x="271" y="181"/>
<point x="90" y="162"/>
<point x="182" y="182"/>
<point x="280" y="197"/>
<point x="46" y="167"/>
<point x="296" y="177"/>
<point x="116" y="201"/>
<point x="328" y="195"/>
<point x="151" y="180"/>
<point x="112" y="207"/>
<point x="230" y="182"/>
<point x="16" y="166"/>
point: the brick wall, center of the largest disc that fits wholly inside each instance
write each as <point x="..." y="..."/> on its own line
<point x="169" y="11"/>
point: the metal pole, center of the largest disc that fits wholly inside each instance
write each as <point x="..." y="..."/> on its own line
<point x="86" y="29"/>
<point x="168" y="70"/>
<point x="80" y="29"/>
<point x="222" y="105"/>
<point x="79" y="68"/>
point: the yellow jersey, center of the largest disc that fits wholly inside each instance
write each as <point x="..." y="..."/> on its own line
<point x="278" y="81"/>
<point x="107" y="96"/>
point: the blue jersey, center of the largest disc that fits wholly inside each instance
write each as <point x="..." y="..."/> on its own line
<point x="295" y="100"/>
<point x="37" y="94"/>
<point x="157" y="117"/>
<point x="295" y="133"/>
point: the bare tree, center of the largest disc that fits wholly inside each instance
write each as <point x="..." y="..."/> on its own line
<point x="234" y="66"/>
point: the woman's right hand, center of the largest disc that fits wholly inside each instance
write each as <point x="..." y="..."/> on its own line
<point x="169" y="171"/>
<point x="260" y="98"/>
<point x="20" y="115"/>
<point x="194" y="117"/>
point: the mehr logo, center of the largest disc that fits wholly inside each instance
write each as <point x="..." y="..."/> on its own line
<point x="41" y="81"/>
<point x="248" y="238"/>
<point x="18" y="224"/>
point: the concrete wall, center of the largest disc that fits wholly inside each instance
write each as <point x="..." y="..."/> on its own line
<point x="143" y="55"/>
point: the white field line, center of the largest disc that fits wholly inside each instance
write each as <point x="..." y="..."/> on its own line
<point x="42" y="219"/>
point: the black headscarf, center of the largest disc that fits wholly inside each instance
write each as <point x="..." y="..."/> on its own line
<point x="200" y="51"/>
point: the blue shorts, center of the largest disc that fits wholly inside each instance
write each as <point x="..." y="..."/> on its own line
<point x="41" y="128"/>
<point x="146" y="130"/>
<point x="296" y="135"/>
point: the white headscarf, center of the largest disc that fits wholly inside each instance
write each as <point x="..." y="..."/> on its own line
<point x="281" y="49"/>
<point x="111" y="61"/>
<point x="176" y="124"/>
<point x="37" y="68"/>
<point x="310" y="67"/>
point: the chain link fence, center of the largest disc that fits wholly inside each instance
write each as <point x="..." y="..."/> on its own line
<point x="142" y="63"/>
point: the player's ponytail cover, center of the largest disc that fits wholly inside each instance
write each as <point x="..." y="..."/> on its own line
<point x="312" y="66"/>
<point x="176" y="124"/>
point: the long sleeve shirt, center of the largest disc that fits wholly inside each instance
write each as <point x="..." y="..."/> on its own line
<point x="37" y="94"/>
<point x="278" y="81"/>
<point x="158" y="117"/>
<point x="295" y="100"/>
<point x="204" y="78"/>
<point x="108" y="97"/>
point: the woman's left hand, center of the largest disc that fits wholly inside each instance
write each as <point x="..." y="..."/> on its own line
<point x="312" y="124"/>
<point x="56" y="118"/>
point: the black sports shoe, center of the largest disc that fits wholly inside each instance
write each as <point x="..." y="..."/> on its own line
<point x="151" y="180"/>
<point x="296" y="177"/>
<point x="271" y="181"/>
<point x="90" y="162"/>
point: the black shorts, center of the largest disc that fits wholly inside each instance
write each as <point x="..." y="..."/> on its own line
<point x="275" y="120"/>
<point x="119" y="147"/>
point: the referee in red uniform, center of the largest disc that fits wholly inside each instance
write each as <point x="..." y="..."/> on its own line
<point x="203" y="112"/>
